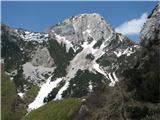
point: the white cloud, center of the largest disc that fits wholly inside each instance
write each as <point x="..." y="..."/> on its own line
<point x="132" y="27"/>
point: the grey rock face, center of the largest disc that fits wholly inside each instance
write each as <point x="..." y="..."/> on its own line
<point x="151" y="29"/>
<point x="79" y="28"/>
<point x="27" y="53"/>
<point x="42" y="57"/>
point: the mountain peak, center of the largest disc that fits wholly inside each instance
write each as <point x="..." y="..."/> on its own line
<point x="86" y="15"/>
<point x="80" y="28"/>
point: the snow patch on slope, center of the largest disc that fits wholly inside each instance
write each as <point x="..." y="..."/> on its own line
<point x="59" y="94"/>
<point x="31" y="36"/>
<point x="86" y="33"/>
<point x="127" y="52"/>
<point x="21" y="94"/>
<point x="44" y="91"/>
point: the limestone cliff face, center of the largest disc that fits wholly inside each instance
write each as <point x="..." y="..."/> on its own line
<point x="79" y="28"/>
<point x="150" y="34"/>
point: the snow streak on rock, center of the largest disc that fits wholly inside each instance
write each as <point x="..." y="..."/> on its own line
<point x="90" y="87"/>
<point x="98" y="69"/>
<point x="113" y="78"/>
<point x="127" y="52"/>
<point x="63" y="40"/>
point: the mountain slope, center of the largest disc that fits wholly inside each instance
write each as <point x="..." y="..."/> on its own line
<point x="72" y="59"/>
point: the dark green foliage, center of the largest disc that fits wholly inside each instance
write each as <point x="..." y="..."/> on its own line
<point x="60" y="56"/>
<point x="11" y="52"/>
<point x="108" y="60"/>
<point x="11" y="48"/>
<point x="19" y="79"/>
<point x="98" y="43"/>
<point x="29" y="47"/>
<point x="153" y="117"/>
<point x="103" y="103"/>
<point x="90" y="56"/>
<point x="144" y="77"/>
<point x="142" y="83"/>
<point x="81" y="81"/>
<point x="92" y="101"/>
<point x="104" y="61"/>
<point x="138" y="110"/>
<point x="89" y="39"/>
<point x="106" y="103"/>
<point x="56" y="110"/>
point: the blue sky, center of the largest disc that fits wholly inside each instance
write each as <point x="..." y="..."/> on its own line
<point x="38" y="16"/>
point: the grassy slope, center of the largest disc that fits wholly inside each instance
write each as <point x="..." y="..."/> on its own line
<point x="56" y="110"/>
<point x="8" y="94"/>
<point x="12" y="107"/>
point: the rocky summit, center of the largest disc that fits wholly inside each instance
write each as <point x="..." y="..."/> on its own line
<point x="83" y="61"/>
